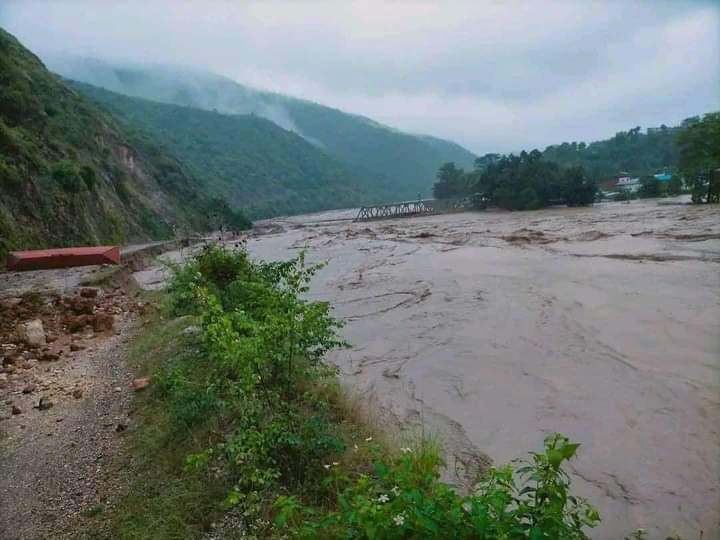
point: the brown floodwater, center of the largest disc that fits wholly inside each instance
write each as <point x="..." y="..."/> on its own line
<point x="494" y="329"/>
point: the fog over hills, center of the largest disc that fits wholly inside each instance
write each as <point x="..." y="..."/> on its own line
<point x="405" y="163"/>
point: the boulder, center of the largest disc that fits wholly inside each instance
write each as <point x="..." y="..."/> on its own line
<point x="44" y="404"/>
<point x="32" y="333"/>
<point x="191" y="330"/>
<point x="75" y="324"/>
<point x="103" y="322"/>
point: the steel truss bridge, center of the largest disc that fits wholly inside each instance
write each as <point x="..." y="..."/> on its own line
<point x="420" y="207"/>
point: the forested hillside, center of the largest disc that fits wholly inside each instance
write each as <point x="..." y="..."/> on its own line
<point x="404" y="164"/>
<point x="245" y="159"/>
<point x="633" y="151"/>
<point x="70" y="174"/>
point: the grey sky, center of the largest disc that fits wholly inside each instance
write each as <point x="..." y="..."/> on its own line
<point x="494" y="76"/>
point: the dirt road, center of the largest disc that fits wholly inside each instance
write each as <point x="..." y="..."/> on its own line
<point x="65" y="402"/>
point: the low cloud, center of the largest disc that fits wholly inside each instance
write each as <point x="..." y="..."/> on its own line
<point x="494" y="76"/>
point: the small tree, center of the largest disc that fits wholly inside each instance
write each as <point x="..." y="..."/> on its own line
<point x="699" y="145"/>
<point x="650" y="187"/>
<point x="450" y="182"/>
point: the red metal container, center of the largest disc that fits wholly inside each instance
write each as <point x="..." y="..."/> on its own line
<point x="63" y="257"/>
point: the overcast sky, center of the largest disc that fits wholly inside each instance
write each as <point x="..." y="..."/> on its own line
<point x="493" y="76"/>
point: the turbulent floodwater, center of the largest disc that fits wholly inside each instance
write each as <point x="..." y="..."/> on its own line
<point x="494" y="329"/>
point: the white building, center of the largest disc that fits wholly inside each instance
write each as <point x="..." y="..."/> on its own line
<point x="627" y="183"/>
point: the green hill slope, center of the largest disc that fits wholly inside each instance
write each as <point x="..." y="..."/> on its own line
<point x="633" y="151"/>
<point x="404" y="164"/>
<point x="245" y="159"/>
<point x="69" y="174"/>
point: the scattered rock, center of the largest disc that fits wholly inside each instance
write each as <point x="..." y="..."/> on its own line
<point x="29" y="388"/>
<point x="103" y="322"/>
<point x="50" y="338"/>
<point x="191" y="330"/>
<point x="49" y="357"/>
<point x="140" y="384"/>
<point x="32" y="333"/>
<point x="44" y="404"/>
<point x="120" y="427"/>
<point x="74" y="347"/>
<point x="80" y="306"/>
<point x="7" y="360"/>
<point x="77" y="393"/>
<point x="89" y="292"/>
<point x="16" y="410"/>
<point x="75" y="324"/>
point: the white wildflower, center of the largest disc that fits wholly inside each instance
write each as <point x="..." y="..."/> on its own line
<point x="335" y="463"/>
<point x="368" y="439"/>
<point x="467" y="507"/>
<point x="395" y="490"/>
<point x="399" y="520"/>
<point x="406" y="450"/>
<point x="383" y="498"/>
<point x="326" y="466"/>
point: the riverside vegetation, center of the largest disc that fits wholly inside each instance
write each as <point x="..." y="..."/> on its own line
<point x="572" y="173"/>
<point x="248" y="431"/>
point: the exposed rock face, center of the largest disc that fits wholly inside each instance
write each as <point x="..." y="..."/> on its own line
<point x="32" y="333"/>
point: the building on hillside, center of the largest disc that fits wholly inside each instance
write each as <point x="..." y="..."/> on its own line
<point x="626" y="183"/>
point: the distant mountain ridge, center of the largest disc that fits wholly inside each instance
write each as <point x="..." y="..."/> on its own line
<point x="244" y="159"/>
<point x="403" y="164"/>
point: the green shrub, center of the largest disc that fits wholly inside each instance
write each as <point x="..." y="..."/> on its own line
<point x="9" y="175"/>
<point x="67" y="174"/>
<point x="87" y="173"/>
<point x="404" y="498"/>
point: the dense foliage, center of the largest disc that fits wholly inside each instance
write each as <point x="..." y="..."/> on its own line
<point x="395" y="165"/>
<point x="264" y="425"/>
<point x="245" y="159"/>
<point x="524" y="182"/>
<point x="633" y="151"/>
<point x="699" y="147"/>
<point x="70" y="174"/>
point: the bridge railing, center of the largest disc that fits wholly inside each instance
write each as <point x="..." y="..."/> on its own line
<point x="414" y="208"/>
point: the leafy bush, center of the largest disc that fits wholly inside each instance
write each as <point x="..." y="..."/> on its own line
<point x="405" y="499"/>
<point x="279" y="443"/>
<point x="67" y="174"/>
<point x="87" y="173"/>
<point x="9" y="175"/>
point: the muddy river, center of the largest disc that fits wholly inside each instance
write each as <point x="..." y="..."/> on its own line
<point x="494" y="329"/>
